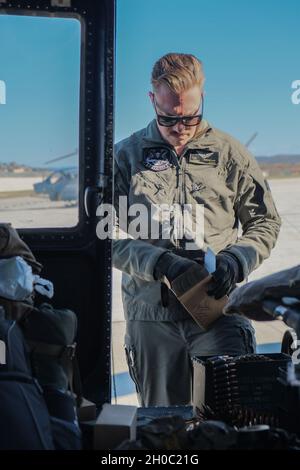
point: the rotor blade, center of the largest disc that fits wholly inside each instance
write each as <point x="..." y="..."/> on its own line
<point x="62" y="157"/>
<point x="251" y="139"/>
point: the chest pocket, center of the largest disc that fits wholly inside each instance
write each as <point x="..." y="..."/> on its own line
<point x="149" y="186"/>
<point x="202" y="175"/>
<point x="201" y="191"/>
<point x="205" y="179"/>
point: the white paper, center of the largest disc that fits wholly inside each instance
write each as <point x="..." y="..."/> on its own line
<point x="210" y="261"/>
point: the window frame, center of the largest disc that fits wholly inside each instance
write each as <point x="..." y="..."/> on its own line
<point x="95" y="115"/>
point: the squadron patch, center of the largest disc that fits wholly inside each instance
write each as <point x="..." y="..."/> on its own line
<point x="157" y="158"/>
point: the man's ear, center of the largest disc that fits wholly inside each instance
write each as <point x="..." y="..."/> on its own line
<point x="151" y="96"/>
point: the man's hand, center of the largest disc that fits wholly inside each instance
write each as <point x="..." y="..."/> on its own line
<point x="169" y="266"/>
<point x="227" y="274"/>
<point x="188" y="279"/>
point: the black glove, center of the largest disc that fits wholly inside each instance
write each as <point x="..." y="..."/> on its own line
<point x="169" y="266"/>
<point x="227" y="274"/>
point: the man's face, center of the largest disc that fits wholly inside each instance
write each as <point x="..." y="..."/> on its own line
<point x="168" y="103"/>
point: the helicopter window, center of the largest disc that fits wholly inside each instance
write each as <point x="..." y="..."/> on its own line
<point x="39" y="120"/>
<point x="54" y="178"/>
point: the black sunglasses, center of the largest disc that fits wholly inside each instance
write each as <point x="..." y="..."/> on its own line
<point x="169" y="121"/>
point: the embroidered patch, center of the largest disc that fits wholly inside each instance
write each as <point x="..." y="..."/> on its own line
<point x="157" y="159"/>
<point x="204" y="157"/>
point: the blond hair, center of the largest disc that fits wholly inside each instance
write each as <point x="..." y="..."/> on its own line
<point x="178" y="71"/>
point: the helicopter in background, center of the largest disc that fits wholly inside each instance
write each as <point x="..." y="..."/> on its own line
<point x="62" y="184"/>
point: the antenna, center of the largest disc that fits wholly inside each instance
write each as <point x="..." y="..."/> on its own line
<point x="251" y="139"/>
<point x="62" y="157"/>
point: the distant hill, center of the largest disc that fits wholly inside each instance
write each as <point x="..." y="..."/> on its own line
<point x="280" y="158"/>
<point x="280" y="166"/>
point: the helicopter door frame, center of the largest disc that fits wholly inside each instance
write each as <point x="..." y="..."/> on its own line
<point x="64" y="251"/>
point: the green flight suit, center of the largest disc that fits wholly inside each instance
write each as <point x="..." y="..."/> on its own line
<point x="218" y="172"/>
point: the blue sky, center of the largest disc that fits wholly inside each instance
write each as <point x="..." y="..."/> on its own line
<point x="250" y="51"/>
<point x="251" y="55"/>
<point x="39" y="64"/>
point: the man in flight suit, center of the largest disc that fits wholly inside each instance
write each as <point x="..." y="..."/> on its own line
<point x="179" y="158"/>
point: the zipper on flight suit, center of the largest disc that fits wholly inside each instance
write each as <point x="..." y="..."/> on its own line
<point x="180" y="168"/>
<point x="182" y="162"/>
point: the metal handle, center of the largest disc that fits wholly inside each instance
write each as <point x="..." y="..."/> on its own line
<point x="89" y="190"/>
<point x="99" y="189"/>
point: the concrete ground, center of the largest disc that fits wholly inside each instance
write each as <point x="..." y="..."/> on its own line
<point x="38" y="211"/>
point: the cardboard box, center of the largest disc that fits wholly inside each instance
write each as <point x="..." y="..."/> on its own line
<point x="203" y="308"/>
<point x="115" y="424"/>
